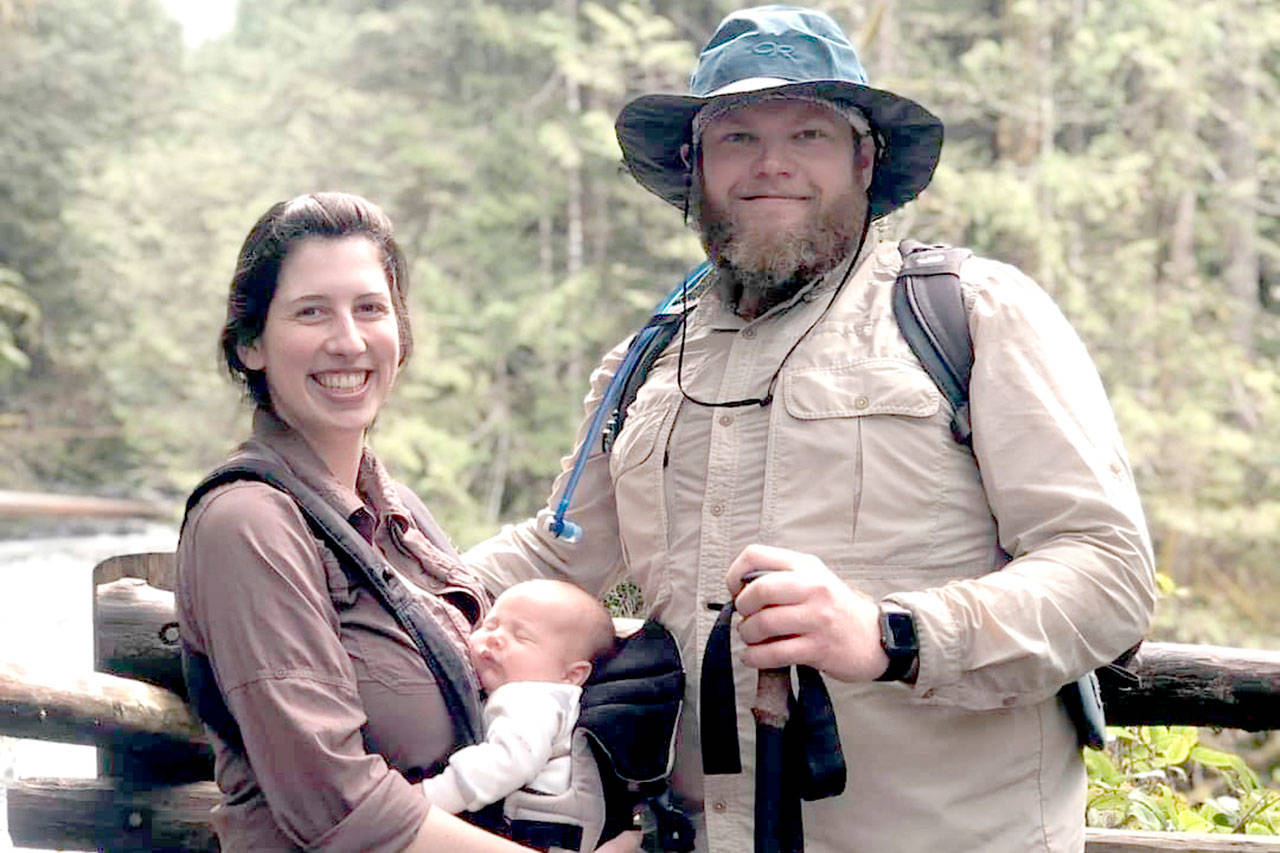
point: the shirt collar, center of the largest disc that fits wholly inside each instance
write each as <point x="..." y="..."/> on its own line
<point x="275" y="435"/>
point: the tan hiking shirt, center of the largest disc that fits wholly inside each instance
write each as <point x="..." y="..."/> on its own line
<point x="854" y="461"/>
<point x="335" y="704"/>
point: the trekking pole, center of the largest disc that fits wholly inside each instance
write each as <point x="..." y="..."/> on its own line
<point x="770" y="712"/>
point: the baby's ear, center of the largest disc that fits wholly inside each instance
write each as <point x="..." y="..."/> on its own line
<point x="578" y="672"/>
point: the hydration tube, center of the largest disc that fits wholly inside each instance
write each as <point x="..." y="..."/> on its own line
<point x="564" y="528"/>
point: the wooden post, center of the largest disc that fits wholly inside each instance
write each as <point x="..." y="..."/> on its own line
<point x="135" y="635"/>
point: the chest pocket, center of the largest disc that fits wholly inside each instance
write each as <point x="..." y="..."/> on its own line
<point x="636" y="466"/>
<point x="856" y="463"/>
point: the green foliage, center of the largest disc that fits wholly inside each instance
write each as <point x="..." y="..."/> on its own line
<point x="1163" y="778"/>
<point x="19" y="315"/>
<point x="1122" y="153"/>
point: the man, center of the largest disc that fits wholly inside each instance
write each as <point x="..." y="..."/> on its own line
<point x="789" y="428"/>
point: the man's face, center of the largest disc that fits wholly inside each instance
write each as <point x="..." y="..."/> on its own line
<point x="783" y="192"/>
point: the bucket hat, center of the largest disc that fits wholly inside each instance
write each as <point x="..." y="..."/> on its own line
<point x="781" y="50"/>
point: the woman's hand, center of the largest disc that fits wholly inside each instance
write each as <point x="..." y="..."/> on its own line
<point x="625" y="842"/>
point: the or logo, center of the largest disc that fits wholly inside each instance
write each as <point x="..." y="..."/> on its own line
<point x="772" y="48"/>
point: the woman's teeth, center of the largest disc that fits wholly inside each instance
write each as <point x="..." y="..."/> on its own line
<point x="346" y="381"/>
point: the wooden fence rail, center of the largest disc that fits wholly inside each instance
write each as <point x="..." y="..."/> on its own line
<point x="153" y="791"/>
<point x="33" y="504"/>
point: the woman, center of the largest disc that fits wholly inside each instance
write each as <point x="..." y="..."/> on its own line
<point x="336" y="714"/>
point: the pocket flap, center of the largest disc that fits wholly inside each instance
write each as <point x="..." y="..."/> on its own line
<point x="878" y="386"/>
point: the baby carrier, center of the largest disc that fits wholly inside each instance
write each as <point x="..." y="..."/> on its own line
<point x="622" y="752"/>
<point x="623" y="744"/>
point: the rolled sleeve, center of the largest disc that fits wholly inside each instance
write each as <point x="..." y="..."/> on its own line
<point x="1080" y="588"/>
<point x="255" y="587"/>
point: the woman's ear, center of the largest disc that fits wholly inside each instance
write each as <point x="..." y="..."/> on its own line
<point x="251" y="356"/>
<point x="578" y="672"/>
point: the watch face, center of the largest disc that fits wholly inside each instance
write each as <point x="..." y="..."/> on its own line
<point x="898" y="632"/>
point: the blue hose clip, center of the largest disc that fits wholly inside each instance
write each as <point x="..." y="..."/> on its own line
<point x="662" y="317"/>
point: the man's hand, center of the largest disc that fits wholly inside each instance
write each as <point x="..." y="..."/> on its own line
<point x="799" y="612"/>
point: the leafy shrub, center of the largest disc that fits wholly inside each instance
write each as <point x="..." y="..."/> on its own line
<point x="1143" y="781"/>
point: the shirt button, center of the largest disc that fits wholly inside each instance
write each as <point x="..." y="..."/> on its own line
<point x="748" y="333"/>
<point x="861" y="402"/>
<point x="716" y="509"/>
<point x="928" y="694"/>
<point x="725" y="420"/>
<point x="719" y="806"/>
<point x="1009" y="701"/>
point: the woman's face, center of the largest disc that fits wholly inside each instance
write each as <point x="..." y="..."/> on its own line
<point x="330" y="347"/>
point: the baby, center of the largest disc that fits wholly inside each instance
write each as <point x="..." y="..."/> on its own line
<point x="533" y="652"/>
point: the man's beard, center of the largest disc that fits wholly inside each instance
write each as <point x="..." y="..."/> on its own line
<point x="764" y="265"/>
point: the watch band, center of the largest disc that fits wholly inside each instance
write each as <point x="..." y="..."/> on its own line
<point x="898" y="639"/>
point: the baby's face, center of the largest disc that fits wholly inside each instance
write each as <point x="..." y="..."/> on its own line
<point x="522" y="640"/>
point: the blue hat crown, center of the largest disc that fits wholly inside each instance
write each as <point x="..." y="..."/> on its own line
<point x="781" y="42"/>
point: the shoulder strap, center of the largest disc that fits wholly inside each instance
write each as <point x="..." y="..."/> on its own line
<point x="649" y="348"/>
<point x="457" y="683"/>
<point x="929" y="308"/>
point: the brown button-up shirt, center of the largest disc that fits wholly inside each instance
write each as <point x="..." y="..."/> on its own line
<point x="338" y="711"/>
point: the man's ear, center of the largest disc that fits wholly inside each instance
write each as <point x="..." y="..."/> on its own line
<point x="578" y="672"/>
<point x="864" y="160"/>
<point x="251" y="356"/>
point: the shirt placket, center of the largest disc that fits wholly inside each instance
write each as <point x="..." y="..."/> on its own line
<point x="752" y="357"/>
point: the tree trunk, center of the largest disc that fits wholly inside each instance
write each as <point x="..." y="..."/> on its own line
<point x="1240" y="162"/>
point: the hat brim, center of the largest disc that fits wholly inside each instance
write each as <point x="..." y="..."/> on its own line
<point x="652" y="129"/>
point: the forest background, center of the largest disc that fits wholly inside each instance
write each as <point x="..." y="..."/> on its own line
<point x="1125" y="153"/>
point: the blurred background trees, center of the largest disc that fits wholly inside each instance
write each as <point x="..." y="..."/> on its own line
<point x="1123" y="153"/>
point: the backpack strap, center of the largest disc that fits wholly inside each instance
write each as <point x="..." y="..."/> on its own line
<point x="929" y="308"/>
<point x="648" y="348"/>
<point x="458" y="685"/>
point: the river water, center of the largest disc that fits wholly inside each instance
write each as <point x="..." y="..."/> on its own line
<point x="46" y="622"/>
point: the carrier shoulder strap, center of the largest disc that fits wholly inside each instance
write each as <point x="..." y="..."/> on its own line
<point x="929" y="308"/>
<point x="457" y="685"/>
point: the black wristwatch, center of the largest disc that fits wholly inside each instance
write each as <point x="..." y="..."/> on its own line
<point x="898" y="638"/>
